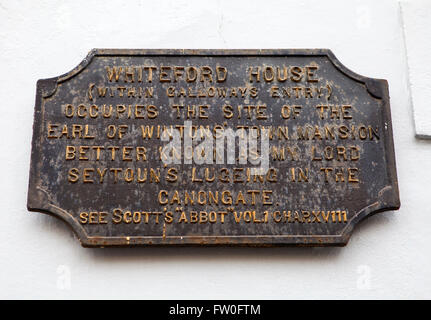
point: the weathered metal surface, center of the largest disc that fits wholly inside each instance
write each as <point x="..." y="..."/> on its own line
<point x="331" y="155"/>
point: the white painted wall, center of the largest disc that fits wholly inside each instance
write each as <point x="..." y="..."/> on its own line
<point x="389" y="254"/>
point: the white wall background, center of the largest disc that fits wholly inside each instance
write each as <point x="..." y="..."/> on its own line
<point x="388" y="255"/>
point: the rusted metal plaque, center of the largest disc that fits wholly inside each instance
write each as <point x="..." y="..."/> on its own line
<point x="212" y="147"/>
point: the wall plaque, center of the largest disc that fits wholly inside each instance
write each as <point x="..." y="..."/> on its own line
<point x="212" y="147"/>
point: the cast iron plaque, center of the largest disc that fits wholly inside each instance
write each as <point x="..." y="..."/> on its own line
<point x="210" y="147"/>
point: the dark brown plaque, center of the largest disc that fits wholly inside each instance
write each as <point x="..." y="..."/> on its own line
<point x="212" y="147"/>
